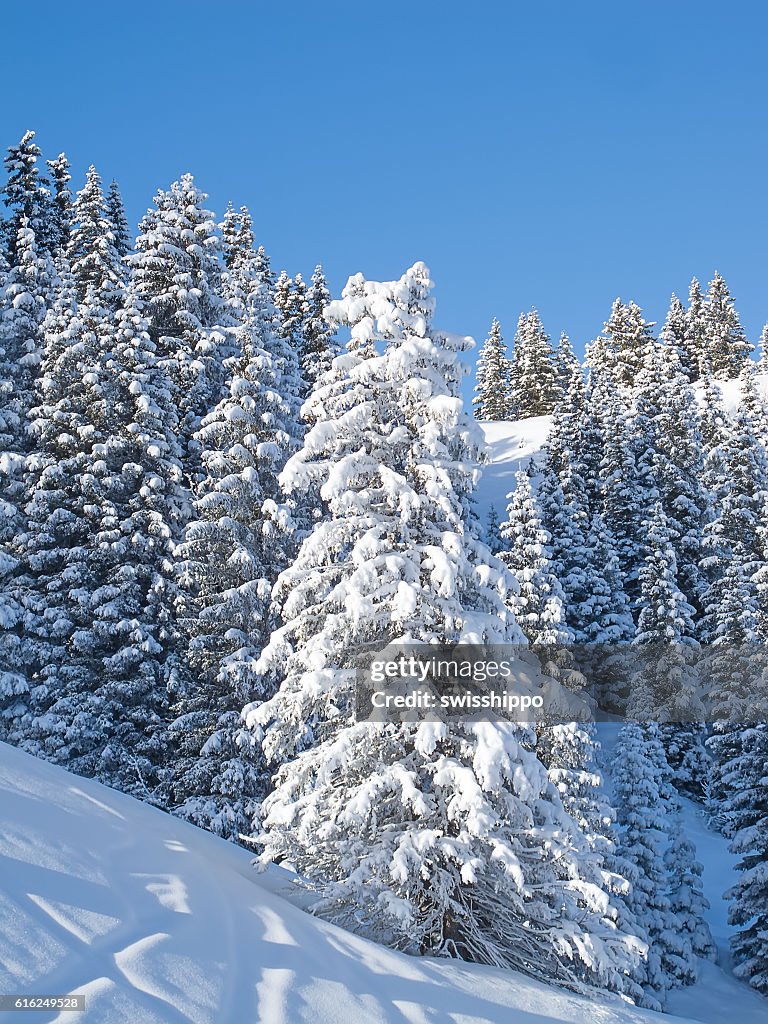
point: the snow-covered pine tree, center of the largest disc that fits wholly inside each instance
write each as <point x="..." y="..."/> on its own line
<point x="763" y="361"/>
<point x="493" y="398"/>
<point x="534" y="374"/>
<point x="583" y="552"/>
<point x="539" y="602"/>
<point x="727" y="345"/>
<point x="104" y="502"/>
<point x="25" y="290"/>
<point x="264" y="267"/>
<point x="733" y="623"/>
<point x="696" y="344"/>
<point x="318" y="336"/>
<point x="115" y="209"/>
<point x="61" y="204"/>
<point x="625" y="341"/>
<point x="618" y="492"/>
<point x="19" y="646"/>
<point x="289" y="297"/>
<point x="231" y="227"/>
<point x="670" y="459"/>
<point x="643" y="819"/>
<point x="687" y="901"/>
<point x="28" y="291"/>
<point x="748" y="813"/>
<point x="228" y="562"/>
<point x="176" y="272"/>
<point x="493" y="538"/>
<point x="27" y="196"/>
<point x="664" y="687"/>
<point x="752" y="401"/>
<point x="714" y="424"/>
<point x="734" y="534"/>
<point x="565" y="362"/>
<point x="675" y="334"/>
<point x="93" y="258"/>
<point x="13" y="684"/>
<point x="410" y="831"/>
<point x="568" y="750"/>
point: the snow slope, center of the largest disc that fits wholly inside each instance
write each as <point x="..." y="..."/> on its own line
<point x="157" y="921"/>
<point x="510" y="447"/>
<point x="512" y="444"/>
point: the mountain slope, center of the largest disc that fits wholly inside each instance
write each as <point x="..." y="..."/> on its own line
<point x="157" y="921"/>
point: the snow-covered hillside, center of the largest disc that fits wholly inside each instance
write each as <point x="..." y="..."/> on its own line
<point x="512" y="444"/>
<point x="158" y="922"/>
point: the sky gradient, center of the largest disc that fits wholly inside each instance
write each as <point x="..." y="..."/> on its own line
<point x="545" y="154"/>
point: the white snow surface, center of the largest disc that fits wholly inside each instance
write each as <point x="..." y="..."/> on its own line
<point x="511" y="446"/>
<point x="154" y="920"/>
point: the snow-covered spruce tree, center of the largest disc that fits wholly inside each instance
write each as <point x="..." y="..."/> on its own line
<point x="752" y="401"/>
<point x="584" y="557"/>
<point x="289" y="297"/>
<point x="25" y="291"/>
<point x="675" y="334"/>
<point x="733" y="623"/>
<point x="714" y="425"/>
<point x="18" y="646"/>
<point x="687" y="901"/>
<point x="643" y="819"/>
<point x="121" y="232"/>
<point x="535" y="379"/>
<point x="727" y="345"/>
<point x="568" y="750"/>
<point x="664" y="686"/>
<point x="626" y="338"/>
<point x="247" y="271"/>
<point x="493" y="399"/>
<point x="104" y="499"/>
<point x="320" y="347"/>
<point x="748" y="812"/>
<point x="232" y="227"/>
<point x="696" y="346"/>
<point x="493" y="538"/>
<point x="538" y="603"/>
<point x="740" y="484"/>
<point x="13" y="684"/>
<point x="731" y="667"/>
<point x="93" y="257"/>
<point x="60" y="211"/>
<point x="618" y="492"/>
<point x="670" y="460"/>
<point x="27" y="196"/>
<point x="763" y="360"/>
<point x="232" y="551"/>
<point x="586" y="564"/>
<point x="176" y="273"/>
<point x="565" y="362"/>
<point x="430" y="836"/>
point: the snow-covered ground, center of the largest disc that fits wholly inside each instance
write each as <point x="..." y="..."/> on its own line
<point x="511" y="446"/>
<point x="156" y="921"/>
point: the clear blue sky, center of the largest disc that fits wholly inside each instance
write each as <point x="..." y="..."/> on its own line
<point x="549" y="154"/>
